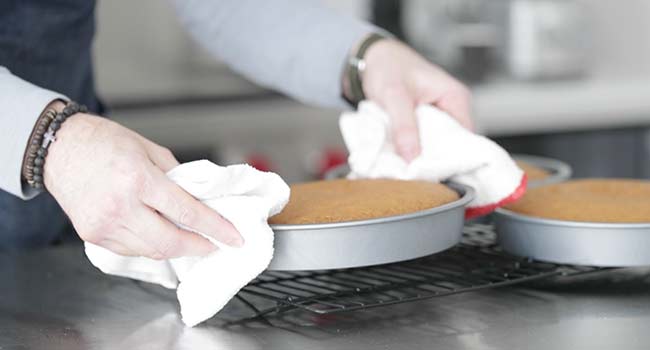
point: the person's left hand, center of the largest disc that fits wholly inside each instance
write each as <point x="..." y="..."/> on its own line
<point x="399" y="79"/>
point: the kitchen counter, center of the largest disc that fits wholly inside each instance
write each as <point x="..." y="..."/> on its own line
<point x="54" y="299"/>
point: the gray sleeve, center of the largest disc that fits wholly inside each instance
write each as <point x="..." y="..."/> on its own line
<point x="298" y="47"/>
<point x="22" y="103"/>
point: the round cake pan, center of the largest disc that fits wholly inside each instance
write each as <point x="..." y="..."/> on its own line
<point x="370" y="242"/>
<point x="576" y="243"/>
<point x="338" y="172"/>
<point x="559" y="171"/>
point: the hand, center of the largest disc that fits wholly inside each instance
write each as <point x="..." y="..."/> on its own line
<point x="399" y="79"/>
<point x="111" y="182"/>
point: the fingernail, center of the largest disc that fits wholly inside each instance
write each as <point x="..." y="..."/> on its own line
<point x="409" y="151"/>
<point x="204" y="250"/>
<point x="209" y="250"/>
<point x="407" y="147"/>
<point x="237" y="241"/>
<point x="212" y="248"/>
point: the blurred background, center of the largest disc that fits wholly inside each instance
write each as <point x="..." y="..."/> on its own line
<point x="560" y="78"/>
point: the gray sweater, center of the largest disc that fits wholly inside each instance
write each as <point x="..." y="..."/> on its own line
<point x="295" y="46"/>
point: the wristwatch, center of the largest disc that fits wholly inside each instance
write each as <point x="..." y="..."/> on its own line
<point x="355" y="66"/>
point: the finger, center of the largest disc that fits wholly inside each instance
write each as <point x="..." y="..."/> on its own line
<point x="172" y="201"/>
<point x="404" y="129"/>
<point x="125" y="242"/>
<point x="162" y="157"/>
<point x="457" y="102"/>
<point x="155" y="237"/>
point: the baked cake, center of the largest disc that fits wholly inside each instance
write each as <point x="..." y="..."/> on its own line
<point x="533" y="173"/>
<point x="589" y="200"/>
<point x="348" y="200"/>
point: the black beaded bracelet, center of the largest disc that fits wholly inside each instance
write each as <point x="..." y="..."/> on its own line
<point x="35" y="164"/>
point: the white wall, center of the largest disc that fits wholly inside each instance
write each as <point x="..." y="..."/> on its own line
<point x="142" y="51"/>
<point x="621" y="37"/>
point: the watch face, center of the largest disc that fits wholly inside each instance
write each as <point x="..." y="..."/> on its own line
<point x="355" y="61"/>
<point x="361" y="65"/>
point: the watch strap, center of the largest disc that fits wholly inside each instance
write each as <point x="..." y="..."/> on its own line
<point x="356" y="65"/>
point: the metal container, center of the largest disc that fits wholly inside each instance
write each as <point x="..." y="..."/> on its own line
<point x="571" y="242"/>
<point x="370" y="242"/>
<point x="559" y="171"/>
<point x="338" y="172"/>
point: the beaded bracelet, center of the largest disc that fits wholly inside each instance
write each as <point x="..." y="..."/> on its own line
<point x="44" y="134"/>
<point x="35" y="142"/>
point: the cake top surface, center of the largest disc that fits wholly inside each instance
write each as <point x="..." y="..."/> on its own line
<point x="533" y="172"/>
<point x="589" y="200"/>
<point x="350" y="200"/>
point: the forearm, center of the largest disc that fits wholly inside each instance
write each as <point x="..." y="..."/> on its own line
<point x="22" y="103"/>
<point x="298" y="47"/>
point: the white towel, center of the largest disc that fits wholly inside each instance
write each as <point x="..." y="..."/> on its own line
<point x="449" y="152"/>
<point x="241" y="194"/>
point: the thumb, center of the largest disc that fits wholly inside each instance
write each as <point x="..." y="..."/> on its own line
<point x="404" y="126"/>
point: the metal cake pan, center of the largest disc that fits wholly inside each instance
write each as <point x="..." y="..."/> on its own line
<point x="559" y="171"/>
<point x="338" y="172"/>
<point x="572" y="242"/>
<point x="370" y="242"/>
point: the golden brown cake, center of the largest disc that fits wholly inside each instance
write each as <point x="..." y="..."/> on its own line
<point x="589" y="200"/>
<point x="533" y="173"/>
<point x="348" y="200"/>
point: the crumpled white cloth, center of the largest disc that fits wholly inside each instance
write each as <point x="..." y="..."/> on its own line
<point x="449" y="152"/>
<point x="241" y="194"/>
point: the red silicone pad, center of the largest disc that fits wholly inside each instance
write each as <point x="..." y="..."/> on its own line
<point x="487" y="209"/>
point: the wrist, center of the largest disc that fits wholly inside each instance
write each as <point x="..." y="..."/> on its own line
<point x="35" y="141"/>
<point x="43" y="135"/>
<point x="352" y="81"/>
<point x="69" y="137"/>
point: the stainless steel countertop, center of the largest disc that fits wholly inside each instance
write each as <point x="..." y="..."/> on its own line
<point x="54" y="299"/>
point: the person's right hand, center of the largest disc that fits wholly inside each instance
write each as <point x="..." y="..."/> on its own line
<point x="111" y="182"/>
<point x="399" y="79"/>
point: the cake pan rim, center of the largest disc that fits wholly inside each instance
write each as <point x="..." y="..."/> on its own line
<point x="566" y="223"/>
<point x="561" y="170"/>
<point x="465" y="197"/>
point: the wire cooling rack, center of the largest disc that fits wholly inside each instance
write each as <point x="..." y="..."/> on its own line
<point x="476" y="263"/>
